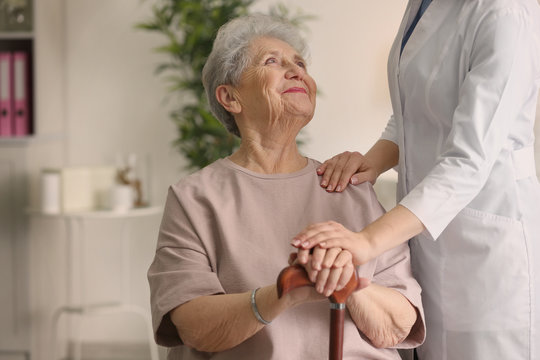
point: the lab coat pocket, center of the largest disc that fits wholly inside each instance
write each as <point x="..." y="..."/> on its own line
<point x="485" y="273"/>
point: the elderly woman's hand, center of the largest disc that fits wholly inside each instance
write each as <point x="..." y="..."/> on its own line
<point x="329" y="269"/>
<point x="345" y="168"/>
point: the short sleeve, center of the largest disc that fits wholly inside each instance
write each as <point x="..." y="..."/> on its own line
<point x="180" y="272"/>
<point x="393" y="270"/>
<point x="390" y="131"/>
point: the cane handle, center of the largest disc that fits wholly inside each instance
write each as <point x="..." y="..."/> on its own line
<point x="295" y="276"/>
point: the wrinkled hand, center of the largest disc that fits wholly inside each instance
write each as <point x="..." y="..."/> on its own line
<point x="328" y="235"/>
<point x="345" y="168"/>
<point x="329" y="269"/>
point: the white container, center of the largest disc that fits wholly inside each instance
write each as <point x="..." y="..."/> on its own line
<point x="122" y="198"/>
<point x="50" y="192"/>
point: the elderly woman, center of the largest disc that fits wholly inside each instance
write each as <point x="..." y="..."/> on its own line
<point x="226" y="229"/>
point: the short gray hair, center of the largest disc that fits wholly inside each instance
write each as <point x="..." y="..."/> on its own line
<point x="229" y="57"/>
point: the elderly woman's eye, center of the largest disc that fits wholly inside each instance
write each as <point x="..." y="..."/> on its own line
<point x="301" y="64"/>
<point x="270" y="61"/>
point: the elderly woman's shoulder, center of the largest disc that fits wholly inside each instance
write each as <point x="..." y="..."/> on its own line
<point x="211" y="175"/>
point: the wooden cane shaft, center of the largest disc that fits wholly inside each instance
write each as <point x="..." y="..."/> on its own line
<point x="337" y="318"/>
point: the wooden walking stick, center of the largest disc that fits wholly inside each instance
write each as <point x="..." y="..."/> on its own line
<point x="295" y="276"/>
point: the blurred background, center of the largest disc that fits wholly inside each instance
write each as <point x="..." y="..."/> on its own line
<point x="73" y="257"/>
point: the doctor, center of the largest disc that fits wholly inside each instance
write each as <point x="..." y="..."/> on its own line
<point x="464" y="78"/>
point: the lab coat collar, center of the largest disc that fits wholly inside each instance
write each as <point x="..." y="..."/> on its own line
<point x="431" y="20"/>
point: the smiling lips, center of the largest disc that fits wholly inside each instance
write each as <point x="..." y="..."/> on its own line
<point x="295" y="90"/>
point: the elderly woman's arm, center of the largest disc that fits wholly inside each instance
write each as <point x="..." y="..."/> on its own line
<point x="220" y="322"/>
<point x="383" y="314"/>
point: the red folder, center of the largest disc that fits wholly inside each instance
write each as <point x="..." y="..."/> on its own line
<point x="21" y="119"/>
<point x="6" y="92"/>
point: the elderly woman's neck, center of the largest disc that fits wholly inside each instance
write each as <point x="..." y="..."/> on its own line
<point x="269" y="157"/>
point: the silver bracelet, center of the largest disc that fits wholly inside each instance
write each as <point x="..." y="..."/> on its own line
<point x="255" y="310"/>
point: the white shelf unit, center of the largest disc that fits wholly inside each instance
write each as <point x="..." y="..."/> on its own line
<point x="77" y="300"/>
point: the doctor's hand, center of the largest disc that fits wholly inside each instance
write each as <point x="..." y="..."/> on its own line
<point x="329" y="235"/>
<point x="345" y="168"/>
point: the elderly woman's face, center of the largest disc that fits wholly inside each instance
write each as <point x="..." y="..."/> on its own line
<point x="276" y="83"/>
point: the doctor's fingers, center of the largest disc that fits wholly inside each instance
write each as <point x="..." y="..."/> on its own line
<point x="321" y="233"/>
<point x="338" y="170"/>
<point x="367" y="174"/>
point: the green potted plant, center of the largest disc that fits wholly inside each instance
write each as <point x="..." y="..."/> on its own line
<point x="189" y="27"/>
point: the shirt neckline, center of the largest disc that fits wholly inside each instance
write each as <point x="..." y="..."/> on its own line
<point x="309" y="168"/>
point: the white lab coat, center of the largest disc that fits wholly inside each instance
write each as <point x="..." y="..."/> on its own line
<point x="464" y="97"/>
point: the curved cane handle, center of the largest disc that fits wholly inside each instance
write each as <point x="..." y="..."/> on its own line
<point x="295" y="276"/>
<point x="341" y="296"/>
<point x="292" y="277"/>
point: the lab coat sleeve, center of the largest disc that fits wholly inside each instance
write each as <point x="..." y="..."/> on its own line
<point x="503" y="68"/>
<point x="390" y="131"/>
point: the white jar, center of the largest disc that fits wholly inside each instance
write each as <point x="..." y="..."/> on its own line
<point x="50" y="192"/>
<point x="122" y="198"/>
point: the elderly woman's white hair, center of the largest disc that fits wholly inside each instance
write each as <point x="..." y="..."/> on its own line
<point x="229" y="57"/>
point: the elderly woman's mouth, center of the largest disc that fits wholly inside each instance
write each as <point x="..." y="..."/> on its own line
<point x="295" y="90"/>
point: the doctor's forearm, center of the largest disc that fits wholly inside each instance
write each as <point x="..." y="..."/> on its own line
<point x="393" y="228"/>
<point x="383" y="155"/>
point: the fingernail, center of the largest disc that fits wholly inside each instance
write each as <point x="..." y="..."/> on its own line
<point x="320" y="289"/>
<point x="329" y="188"/>
<point x="295" y="242"/>
<point x="324" y="183"/>
<point x="319" y="170"/>
<point x="354" y="181"/>
<point x="328" y="293"/>
<point x="305" y="244"/>
<point x="338" y="189"/>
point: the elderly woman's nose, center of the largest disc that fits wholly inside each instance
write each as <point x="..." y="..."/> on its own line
<point x="294" y="71"/>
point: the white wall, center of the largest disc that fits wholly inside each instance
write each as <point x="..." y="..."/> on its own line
<point x="114" y="102"/>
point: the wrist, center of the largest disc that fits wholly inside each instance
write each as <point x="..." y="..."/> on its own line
<point x="366" y="247"/>
<point x="267" y="303"/>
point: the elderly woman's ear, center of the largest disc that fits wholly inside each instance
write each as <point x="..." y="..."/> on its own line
<point x="226" y="95"/>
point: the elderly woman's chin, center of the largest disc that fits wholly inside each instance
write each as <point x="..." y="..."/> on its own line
<point x="301" y="113"/>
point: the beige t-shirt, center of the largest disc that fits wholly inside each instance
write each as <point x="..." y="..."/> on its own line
<point x="227" y="230"/>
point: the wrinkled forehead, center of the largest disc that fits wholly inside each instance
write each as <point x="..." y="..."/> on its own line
<point x="264" y="45"/>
